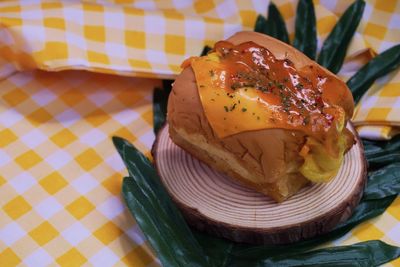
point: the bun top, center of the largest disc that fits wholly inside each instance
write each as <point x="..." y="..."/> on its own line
<point x="252" y="81"/>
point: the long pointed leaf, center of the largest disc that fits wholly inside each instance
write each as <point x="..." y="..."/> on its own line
<point x="305" y="38"/>
<point x="261" y="24"/>
<point x="383" y="182"/>
<point x="156" y="214"/>
<point x="160" y="103"/>
<point x="369" y="253"/>
<point x="217" y="249"/>
<point x="334" y="48"/>
<point x="381" y="160"/>
<point x="274" y="25"/>
<point x="374" y="148"/>
<point x="382" y="64"/>
<point x="381" y="153"/>
<point x="149" y="226"/>
<point x="205" y="51"/>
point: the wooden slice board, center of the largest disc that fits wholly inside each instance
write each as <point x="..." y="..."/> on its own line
<point x="215" y="203"/>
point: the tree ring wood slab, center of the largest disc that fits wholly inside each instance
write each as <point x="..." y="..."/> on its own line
<point x="215" y="203"/>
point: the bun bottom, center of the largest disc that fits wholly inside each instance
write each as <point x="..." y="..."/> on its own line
<point x="214" y="155"/>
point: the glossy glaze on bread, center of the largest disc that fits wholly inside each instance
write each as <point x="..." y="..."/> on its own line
<point x="267" y="159"/>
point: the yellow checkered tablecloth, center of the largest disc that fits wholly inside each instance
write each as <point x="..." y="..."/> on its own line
<point x="60" y="176"/>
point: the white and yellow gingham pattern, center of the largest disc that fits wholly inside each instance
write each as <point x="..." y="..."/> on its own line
<point x="379" y="112"/>
<point x="60" y="176"/>
<point x="141" y="39"/>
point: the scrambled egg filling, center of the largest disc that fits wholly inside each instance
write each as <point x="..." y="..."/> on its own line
<point x="321" y="164"/>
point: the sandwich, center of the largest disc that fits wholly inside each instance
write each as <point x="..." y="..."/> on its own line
<point x="263" y="113"/>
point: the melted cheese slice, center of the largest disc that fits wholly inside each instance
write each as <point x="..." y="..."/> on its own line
<point x="234" y="111"/>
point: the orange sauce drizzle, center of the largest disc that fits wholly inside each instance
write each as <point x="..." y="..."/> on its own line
<point x="248" y="88"/>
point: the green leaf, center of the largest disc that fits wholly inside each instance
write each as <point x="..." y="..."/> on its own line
<point x="205" y="51"/>
<point x="383" y="182"/>
<point x="217" y="249"/>
<point x="305" y="38"/>
<point x="157" y="232"/>
<point x="261" y="24"/>
<point x="276" y="25"/>
<point x="155" y="213"/>
<point x="273" y="26"/>
<point x="382" y="64"/>
<point x="374" y="148"/>
<point x="383" y="160"/>
<point x="381" y="153"/>
<point x="160" y="103"/>
<point x="120" y="144"/>
<point x="334" y="48"/>
<point x="369" y="253"/>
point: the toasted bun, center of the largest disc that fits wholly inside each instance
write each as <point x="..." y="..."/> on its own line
<point x="266" y="160"/>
